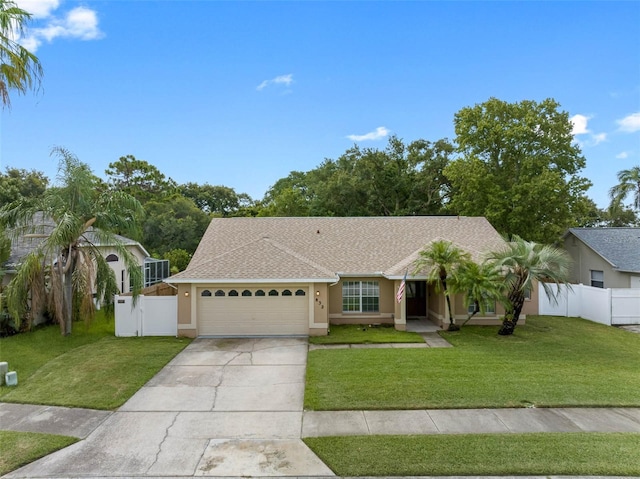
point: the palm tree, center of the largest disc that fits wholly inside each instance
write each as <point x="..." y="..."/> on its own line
<point x="19" y="68"/>
<point x="440" y="260"/>
<point x="525" y="262"/>
<point x="62" y="274"/>
<point x="629" y="183"/>
<point x="481" y="284"/>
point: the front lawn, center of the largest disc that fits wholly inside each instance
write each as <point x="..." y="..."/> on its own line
<point x="21" y="448"/>
<point x="364" y="334"/>
<point x="574" y="454"/>
<point x="549" y="362"/>
<point x="91" y="368"/>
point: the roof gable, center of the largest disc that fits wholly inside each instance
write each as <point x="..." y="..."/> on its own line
<point x="323" y="247"/>
<point x="618" y="246"/>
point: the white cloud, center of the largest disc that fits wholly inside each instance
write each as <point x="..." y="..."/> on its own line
<point x="579" y="124"/>
<point x="377" y="134"/>
<point x="79" y="22"/>
<point x="622" y="155"/>
<point x="630" y="123"/>
<point x="598" y="138"/>
<point x="38" y="8"/>
<point x="285" y="80"/>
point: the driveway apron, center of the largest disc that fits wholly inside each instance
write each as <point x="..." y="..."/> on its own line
<point x="222" y="407"/>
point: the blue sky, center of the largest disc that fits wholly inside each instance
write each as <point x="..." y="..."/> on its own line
<point x="242" y="93"/>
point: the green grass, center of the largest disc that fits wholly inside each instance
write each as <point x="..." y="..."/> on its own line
<point x="91" y="368"/>
<point x="21" y="448"/>
<point x="364" y="334"/>
<point x="550" y="362"/>
<point x="483" y="454"/>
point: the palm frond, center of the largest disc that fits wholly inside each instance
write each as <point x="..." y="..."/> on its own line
<point x="26" y="293"/>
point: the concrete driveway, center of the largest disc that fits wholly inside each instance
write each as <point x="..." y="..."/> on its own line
<point x="222" y="407"/>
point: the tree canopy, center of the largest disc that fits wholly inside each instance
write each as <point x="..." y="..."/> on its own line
<point x="62" y="274"/>
<point x="399" y="180"/>
<point x="519" y="167"/>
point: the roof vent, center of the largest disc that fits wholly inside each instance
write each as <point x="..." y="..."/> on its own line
<point x="318" y="232"/>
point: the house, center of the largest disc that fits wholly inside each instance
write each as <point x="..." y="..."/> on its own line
<point x="284" y="276"/>
<point x="604" y="257"/>
<point x="25" y="244"/>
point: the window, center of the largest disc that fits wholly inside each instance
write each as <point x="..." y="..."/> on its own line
<point x="233" y="292"/>
<point x="259" y="293"/>
<point x="300" y="292"/>
<point x="489" y="307"/>
<point x="112" y="258"/>
<point x="527" y="294"/>
<point x="286" y="292"/>
<point x="246" y="292"/>
<point x="360" y="296"/>
<point x="219" y="293"/>
<point x="273" y="292"/>
<point x="597" y="279"/>
<point x="206" y="292"/>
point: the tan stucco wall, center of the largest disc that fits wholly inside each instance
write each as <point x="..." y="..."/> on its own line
<point x="319" y="323"/>
<point x="585" y="260"/>
<point x="386" y="306"/>
<point x="186" y="327"/>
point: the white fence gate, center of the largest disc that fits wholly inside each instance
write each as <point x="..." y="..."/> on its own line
<point x="606" y="306"/>
<point x="151" y="316"/>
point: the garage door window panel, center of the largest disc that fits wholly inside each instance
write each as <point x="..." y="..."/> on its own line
<point x="219" y="293"/>
<point x="206" y="293"/>
<point x="273" y="292"/>
<point x="233" y="292"/>
<point x="246" y="292"/>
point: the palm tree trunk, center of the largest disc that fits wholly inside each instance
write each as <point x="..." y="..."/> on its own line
<point x="452" y="325"/>
<point x="67" y="290"/>
<point x="516" y="301"/>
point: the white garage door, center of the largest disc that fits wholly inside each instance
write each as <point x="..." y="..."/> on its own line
<point x="253" y="311"/>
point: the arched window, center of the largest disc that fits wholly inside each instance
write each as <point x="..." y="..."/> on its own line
<point x="112" y="258"/>
<point x="206" y="292"/>
<point x="259" y="293"/>
<point x="286" y="292"/>
<point x="233" y="292"/>
<point x="273" y="292"/>
<point x="246" y="292"/>
<point x="300" y="292"/>
<point x="219" y="293"/>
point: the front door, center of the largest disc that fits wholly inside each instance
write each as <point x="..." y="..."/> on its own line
<point x="416" y="299"/>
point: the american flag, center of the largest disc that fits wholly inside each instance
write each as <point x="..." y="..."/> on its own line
<point x="400" y="293"/>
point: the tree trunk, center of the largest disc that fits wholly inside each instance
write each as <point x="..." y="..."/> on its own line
<point x="452" y="325"/>
<point x="516" y="301"/>
<point x="66" y="322"/>
<point x="476" y="310"/>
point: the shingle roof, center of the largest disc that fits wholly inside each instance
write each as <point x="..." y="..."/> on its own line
<point x="619" y="246"/>
<point x="321" y="248"/>
<point x="22" y="245"/>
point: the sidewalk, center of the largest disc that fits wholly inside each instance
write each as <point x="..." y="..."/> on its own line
<point x="470" y="421"/>
<point x="81" y="422"/>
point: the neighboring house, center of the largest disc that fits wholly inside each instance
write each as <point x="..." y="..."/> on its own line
<point x="23" y="245"/>
<point x="604" y="257"/>
<point x="282" y="276"/>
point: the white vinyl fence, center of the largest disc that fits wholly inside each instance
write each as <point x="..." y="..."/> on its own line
<point x="151" y="316"/>
<point x="606" y="306"/>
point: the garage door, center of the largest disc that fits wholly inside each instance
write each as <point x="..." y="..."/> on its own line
<point x="263" y="311"/>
